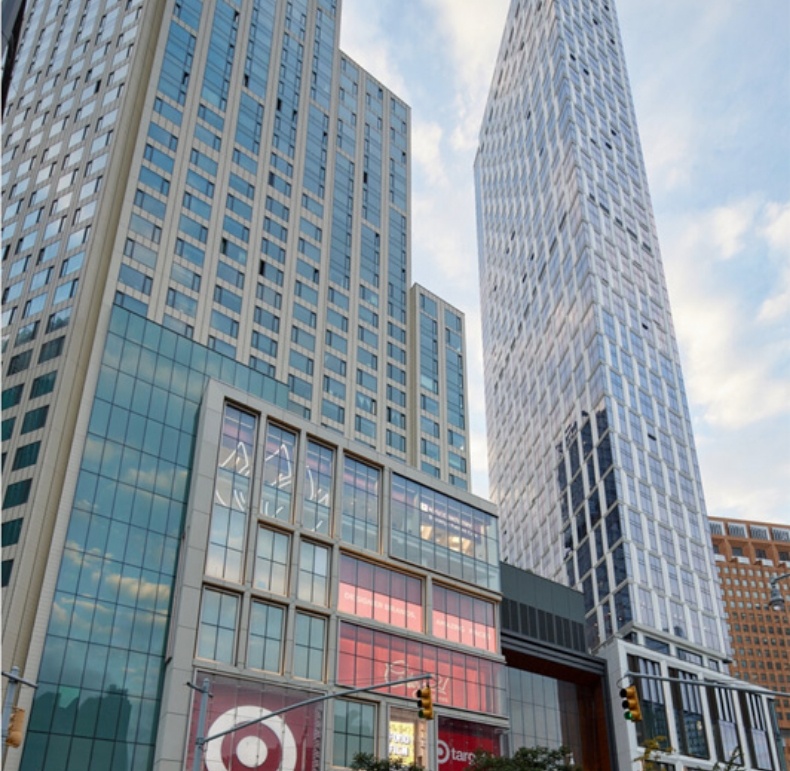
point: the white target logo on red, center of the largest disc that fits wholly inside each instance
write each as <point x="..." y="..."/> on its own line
<point x="266" y="746"/>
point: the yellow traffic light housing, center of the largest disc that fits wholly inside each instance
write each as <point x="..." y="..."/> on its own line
<point x="425" y="702"/>
<point x="16" y="727"/>
<point x="633" y="710"/>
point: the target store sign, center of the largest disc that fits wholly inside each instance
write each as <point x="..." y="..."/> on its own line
<point x="288" y="742"/>
<point x="460" y="739"/>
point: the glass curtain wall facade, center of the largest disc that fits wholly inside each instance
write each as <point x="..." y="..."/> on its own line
<point x="276" y="599"/>
<point x="598" y="483"/>
<point x="591" y="453"/>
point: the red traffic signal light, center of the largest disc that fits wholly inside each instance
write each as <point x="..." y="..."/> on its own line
<point x="16" y="727"/>
<point x="633" y="711"/>
<point x="425" y="702"/>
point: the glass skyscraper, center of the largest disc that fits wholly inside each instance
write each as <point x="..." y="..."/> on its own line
<point x="591" y="453"/>
<point x="234" y="434"/>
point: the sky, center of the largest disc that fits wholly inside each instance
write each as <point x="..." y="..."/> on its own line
<point x="711" y="85"/>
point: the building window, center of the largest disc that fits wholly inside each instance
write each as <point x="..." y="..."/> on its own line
<point x="5" y="578"/>
<point x="470" y="682"/>
<point x="20" y="362"/>
<point x="17" y="493"/>
<point x="8" y="428"/>
<point x="651" y="699"/>
<point x="354" y="731"/>
<point x="278" y="473"/>
<point x="333" y="411"/>
<point x="753" y="709"/>
<point x="317" y="500"/>
<point x="217" y="632"/>
<point x="271" y="561"/>
<point x="360" y="525"/>
<point x="464" y="619"/>
<point x="231" y="495"/>
<point x="309" y="646"/>
<point x="377" y="593"/>
<point x="313" y="581"/>
<point x="725" y="723"/>
<point x="26" y="334"/>
<point x="12" y="396"/>
<point x="434" y="530"/>
<point x="51" y="349"/>
<point x="59" y="319"/>
<point x="264" y="650"/>
<point x="364" y="426"/>
<point x="27" y="455"/>
<point x="11" y="531"/>
<point x="689" y="718"/>
<point x="34" y="419"/>
<point x="43" y="384"/>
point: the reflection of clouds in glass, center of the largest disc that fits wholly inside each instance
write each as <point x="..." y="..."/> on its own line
<point x="92" y="453"/>
<point x="140" y="589"/>
<point x="161" y="478"/>
<point x="61" y="614"/>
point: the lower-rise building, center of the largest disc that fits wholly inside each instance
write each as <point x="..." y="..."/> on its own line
<point x="557" y="693"/>
<point x="309" y="564"/>
<point x="749" y="555"/>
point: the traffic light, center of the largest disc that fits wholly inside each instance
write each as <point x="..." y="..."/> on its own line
<point x="425" y="702"/>
<point x="15" y="727"/>
<point x="633" y="711"/>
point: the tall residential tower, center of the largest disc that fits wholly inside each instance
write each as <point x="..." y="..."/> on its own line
<point x="234" y="435"/>
<point x="591" y="453"/>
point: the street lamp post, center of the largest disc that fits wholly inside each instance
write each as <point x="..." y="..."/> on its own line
<point x="776" y="600"/>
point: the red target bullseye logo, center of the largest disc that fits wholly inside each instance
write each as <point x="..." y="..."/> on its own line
<point x="266" y="746"/>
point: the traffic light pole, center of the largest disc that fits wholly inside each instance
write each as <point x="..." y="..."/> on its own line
<point x="201" y="741"/>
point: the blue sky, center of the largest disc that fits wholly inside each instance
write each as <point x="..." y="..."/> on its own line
<point x="711" y="84"/>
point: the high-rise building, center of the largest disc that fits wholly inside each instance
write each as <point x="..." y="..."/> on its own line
<point x="749" y="555"/>
<point x="591" y="455"/>
<point x="234" y="436"/>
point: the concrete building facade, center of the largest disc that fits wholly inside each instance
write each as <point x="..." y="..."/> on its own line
<point x="206" y="213"/>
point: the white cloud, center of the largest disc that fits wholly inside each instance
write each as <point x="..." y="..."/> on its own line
<point x="741" y="471"/>
<point x="474" y="30"/>
<point x="729" y="278"/>
<point x="730" y="226"/>
<point x="426" y="146"/>
<point x="776" y="231"/>
<point x="730" y="380"/>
